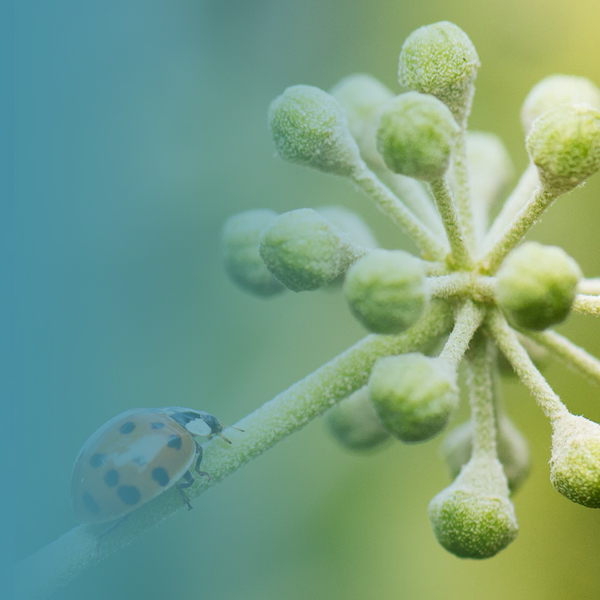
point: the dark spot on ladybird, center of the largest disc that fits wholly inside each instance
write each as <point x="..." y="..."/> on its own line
<point x="112" y="478"/>
<point x="97" y="460"/>
<point x="174" y="442"/>
<point x="127" y="427"/>
<point x="160" y="475"/>
<point x="157" y="425"/>
<point x="129" y="494"/>
<point x="90" y="503"/>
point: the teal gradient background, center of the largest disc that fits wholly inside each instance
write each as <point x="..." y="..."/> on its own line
<point x="140" y="127"/>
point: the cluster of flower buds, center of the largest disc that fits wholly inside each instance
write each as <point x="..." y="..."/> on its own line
<point x="412" y="155"/>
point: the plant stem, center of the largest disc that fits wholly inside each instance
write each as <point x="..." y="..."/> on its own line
<point x="515" y="202"/>
<point x="570" y="354"/>
<point x="59" y="562"/>
<point x="468" y="320"/>
<point x="393" y="207"/>
<point x="588" y="305"/>
<point x="525" y="219"/>
<point x="517" y="356"/>
<point x="463" y="194"/>
<point x="589" y="286"/>
<point x="451" y="219"/>
<point x="479" y="373"/>
<point x="462" y="285"/>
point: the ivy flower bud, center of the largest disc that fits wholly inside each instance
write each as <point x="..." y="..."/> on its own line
<point x="513" y="451"/>
<point x="354" y="422"/>
<point x="555" y="90"/>
<point x="305" y="251"/>
<point x="537" y="285"/>
<point x="414" y="395"/>
<point x="240" y="247"/>
<point x="386" y="290"/>
<point x="564" y="144"/>
<point x="575" y="460"/>
<point x="474" y="517"/>
<point x="363" y="98"/>
<point x="416" y="135"/>
<point x="309" y="127"/>
<point x="440" y="59"/>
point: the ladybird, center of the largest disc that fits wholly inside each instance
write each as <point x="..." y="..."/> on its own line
<point x="135" y="457"/>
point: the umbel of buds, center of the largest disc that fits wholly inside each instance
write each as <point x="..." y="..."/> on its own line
<point x="474" y="293"/>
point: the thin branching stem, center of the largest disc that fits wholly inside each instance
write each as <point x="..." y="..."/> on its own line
<point x="394" y="208"/>
<point x="514" y="203"/>
<point x="463" y="194"/>
<point x="570" y="354"/>
<point x="587" y="305"/>
<point x="468" y="319"/>
<point x="480" y="358"/>
<point x="517" y="356"/>
<point x="527" y="217"/>
<point x="451" y="218"/>
<point x="589" y="286"/>
<point x="62" y="560"/>
<point x="462" y="285"/>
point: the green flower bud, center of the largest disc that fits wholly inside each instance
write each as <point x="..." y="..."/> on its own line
<point x="490" y="167"/>
<point x="305" y="251"/>
<point x="414" y="395"/>
<point x="354" y="422"/>
<point x="575" y="461"/>
<point x="386" y="290"/>
<point x="474" y="517"/>
<point x="555" y="90"/>
<point x="350" y="223"/>
<point x="363" y="98"/>
<point x="537" y="285"/>
<point x="564" y="144"/>
<point x="309" y="127"/>
<point x="441" y="60"/>
<point x="513" y="451"/>
<point x="416" y="135"/>
<point x="240" y="246"/>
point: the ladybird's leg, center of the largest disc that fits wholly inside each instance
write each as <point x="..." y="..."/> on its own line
<point x="189" y="480"/>
<point x="106" y="531"/>
<point x="199" y="460"/>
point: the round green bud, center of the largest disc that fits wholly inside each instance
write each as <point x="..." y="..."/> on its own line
<point x="386" y="290"/>
<point x="350" y="223"/>
<point x="564" y="144"/>
<point x="474" y="517"/>
<point x="537" y="285"/>
<point x="363" y="98"/>
<point x="309" y="127"/>
<point x="243" y="263"/>
<point x="440" y="59"/>
<point x="354" y="422"/>
<point x="305" y="251"/>
<point x="490" y="167"/>
<point x="416" y="135"/>
<point x="513" y="451"/>
<point x="554" y="91"/>
<point x="575" y="460"/>
<point x="415" y="395"/>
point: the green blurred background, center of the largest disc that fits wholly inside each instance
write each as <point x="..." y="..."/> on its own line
<point x="140" y="127"/>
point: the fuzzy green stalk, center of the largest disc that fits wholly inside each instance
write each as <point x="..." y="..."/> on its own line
<point x="460" y="168"/>
<point x="517" y="356"/>
<point x="452" y="220"/>
<point x="587" y="305"/>
<point x="389" y="204"/>
<point x="59" y="562"/>
<point x="589" y="286"/>
<point x="527" y="217"/>
<point x="570" y="354"/>
<point x="468" y="319"/>
<point x="462" y="285"/>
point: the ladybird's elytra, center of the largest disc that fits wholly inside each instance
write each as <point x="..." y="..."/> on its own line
<point x="136" y="456"/>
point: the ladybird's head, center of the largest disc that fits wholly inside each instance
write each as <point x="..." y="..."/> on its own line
<point x="197" y="422"/>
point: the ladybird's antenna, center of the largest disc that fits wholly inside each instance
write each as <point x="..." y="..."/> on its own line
<point x="224" y="438"/>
